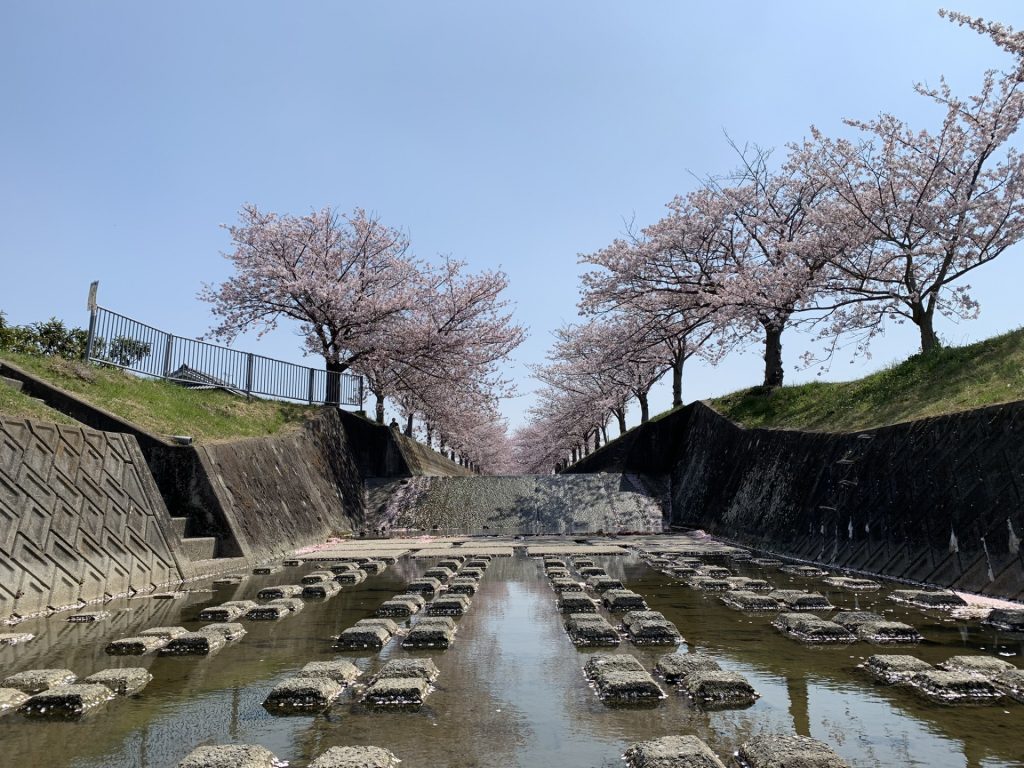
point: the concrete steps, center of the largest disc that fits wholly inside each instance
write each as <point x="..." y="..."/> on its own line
<point x="12" y="383"/>
<point x="179" y="525"/>
<point x="221" y="565"/>
<point x="200" y="548"/>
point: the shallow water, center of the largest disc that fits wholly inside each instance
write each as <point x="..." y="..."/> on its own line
<point x="511" y="690"/>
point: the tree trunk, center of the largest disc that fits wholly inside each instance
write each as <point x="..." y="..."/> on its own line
<point x="604" y="434"/>
<point x="645" y="409"/>
<point x="597" y="438"/>
<point x="408" y="425"/>
<point x="430" y="435"/>
<point x="773" y="372"/>
<point x="620" y="416"/>
<point x="677" y="380"/>
<point x="929" y="339"/>
<point x="573" y="455"/>
<point x="332" y="393"/>
<point x="586" y="446"/>
<point x="380" y="409"/>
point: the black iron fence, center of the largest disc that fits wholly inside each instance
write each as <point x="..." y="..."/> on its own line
<point x="118" y="340"/>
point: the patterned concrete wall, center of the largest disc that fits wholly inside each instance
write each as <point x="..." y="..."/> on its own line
<point x="80" y="518"/>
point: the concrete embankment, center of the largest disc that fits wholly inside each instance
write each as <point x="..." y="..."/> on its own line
<point x="940" y="500"/>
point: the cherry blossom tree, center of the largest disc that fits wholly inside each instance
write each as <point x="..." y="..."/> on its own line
<point x="934" y="205"/>
<point x="340" y="276"/>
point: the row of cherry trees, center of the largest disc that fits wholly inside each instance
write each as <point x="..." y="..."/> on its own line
<point x="428" y="336"/>
<point x="842" y="237"/>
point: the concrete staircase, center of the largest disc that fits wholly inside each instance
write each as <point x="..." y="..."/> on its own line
<point x="197" y="548"/>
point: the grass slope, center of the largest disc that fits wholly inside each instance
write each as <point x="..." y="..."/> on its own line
<point x="156" y="406"/>
<point x="17" y="405"/>
<point x="949" y="380"/>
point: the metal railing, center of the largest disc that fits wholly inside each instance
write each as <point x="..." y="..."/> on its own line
<point x="118" y="340"/>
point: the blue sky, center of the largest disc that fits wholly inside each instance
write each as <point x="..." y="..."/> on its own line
<point x="513" y="135"/>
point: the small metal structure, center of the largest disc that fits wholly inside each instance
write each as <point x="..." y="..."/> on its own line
<point x="120" y="341"/>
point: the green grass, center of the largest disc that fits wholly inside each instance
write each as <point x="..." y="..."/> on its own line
<point x="946" y="381"/>
<point x="157" y="406"/>
<point x="17" y="405"/>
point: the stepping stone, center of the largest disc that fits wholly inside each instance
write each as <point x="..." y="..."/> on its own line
<point x="654" y="632"/>
<point x="477" y="564"/>
<point x="672" y="752"/>
<point x="745" y="584"/>
<point x="351" y="578"/>
<point x="344" y="672"/>
<point x="714" y="572"/>
<point x="462" y="586"/>
<point x="812" y="630"/>
<point x="635" y="619"/>
<point x="360" y="636"/>
<point x="231" y="756"/>
<point x="322" y="590"/>
<point x="303" y="694"/>
<point x="603" y="583"/>
<point x="1009" y="682"/>
<point x="557" y="573"/>
<point x="422" y="668"/>
<point x="168" y="633"/>
<point x="343" y="568"/>
<point x="194" y="644"/>
<point x="291" y="562"/>
<point x="293" y="604"/>
<point x="281" y="590"/>
<point x="268" y="612"/>
<point x="894" y="669"/>
<point x="472" y="573"/>
<point x="397" y="692"/>
<point x="576" y="602"/>
<point x="715" y="688"/>
<point x="172" y="595"/>
<point x="554" y="562"/>
<point x="263" y="570"/>
<point x="928" y="598"/>
<point x="853" y="585"/>
<point x="675" y="667"/>
<point x="853" y="619"/>
<point x="451" y="565"/>
<point x="356" y="757"/>
<point x="591" y="630"/>
<point x="230" y="611"/>
<point x="623" y="600"/>
<point x="888" y="633"/>
<point x="426" y="586"/>
<point x="751" y="602"/>
<point x="224" y="581"/>
<point x="619" y="681"/>
<point x="773" y="751"/>
<point x="11" y="699"/>
<point x="983" y="666"/>
<point x="88" y="617"/>
<point x="14" y="638"/>
<point x="396" y="607"/>
<point x="590" y="571"/>
<point x="798" y="600"/>
<point x="229" y="630"/>
<point x="709" y="584"/>
<point x="563" y="585"/>
<point x="318" y="577"/>
<point x="431" y="633"/>
<point x="808" y="571"/>
<point x="66" y="701"/>
<point x="38" y="680"/>
<point x="582" y="562"/>
<point x="123" y="681"/>
<point x="682" y="571"/>
<point x="136" y="646"/>
<point x="766" y="562"/>
<point x="373" y="566"/>
<point x="944" y="687"/>
<point x="448" y="605"/>
<point x="1011" y="620"/>
<point x="443" y="575"/>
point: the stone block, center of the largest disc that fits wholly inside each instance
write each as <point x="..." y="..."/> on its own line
<point x="337" y="568"/>
<point x="268" y="612"/>
<point x="853" y="619"/>
<point x="431" y="633"/>
<point x="136" y="646"/>
<point x="603" y="583"/>
<point x="562" y="585"/>
<point x="66" y="701"/>
<point x="11" y="699"/>
<point x="423" y="668"/>
<point x="264" y="570"/>
<point x="231" y="756"/>
<point x="654" y="632"/>
<point x="303" y="694"/>
<point x="709" y="584"/>
<point x="293" y="604"/>
<point x="373" y="566"/>
<point x="397" y="692"/>
<point x="888" y="633"/>
<point x="591" y="630"/>
<point x="227" y="581"/>
<point x="15" y="638"/>
<point x="477" y="564"/>
<point x="88" y="617"/>
<point x="576" y="602"/>
<point x="281" y="590"/>
<point x="226" y="611"/>
<point x="450" y="564"/>
<point x="123" y="681"/>
<point x="715" y="688"/>
<point x="944" y="687"/>
<point x="396" y="607"/>
<point x="462" y="586"/>
<point x="362" y="637"/>
<point x="351" y="578"/>
<point x="1012" y="619"/>
<point x="582" y="562"/>
<point x="921" y="598"/>
<point x="194" y="644"/>
<point x="623" y="600"/>
<point x="169" y="633"/>
<point x="448" y="605"/>
<point x="427" y="586"/>
<point x="33" y="681"/>
<point x="766" y="562"/>
<point x="319" y="577"/>
<point x="812" y="630"/>
<point x="775" y="751"/>
<point x="589" y="571"/>
<point x="675" y="667"/>
<point x="229" y="630"/>
<point x="443" y="575"/>
<point x="321" y="591"/>
<point x="292" y="562"/>
<point x="1010" y="682"/>
<point x="747" y="584"/>
<point x="807" y="571"/>
<point x="798" y="600"/>
<point x="472" y="573"/>
<point x="356" y="757"/>
<point x="894" y="669"/>
<point x="341" y="671"/>
<point x="983" y="666"/>
<point x="714" y="572"/>
<point x="557" y="573"/>
<point x="851" y="584"/>
<point x="672" y="752"/>
<point x="750" y="602"/>
<point x="622" y="679"/>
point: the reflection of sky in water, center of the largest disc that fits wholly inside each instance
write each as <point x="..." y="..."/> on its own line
<point x="511" y="690"/>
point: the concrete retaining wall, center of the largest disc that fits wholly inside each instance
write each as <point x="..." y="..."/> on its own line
<point x="939" y="500"/>
<point x="80" y="518"/>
